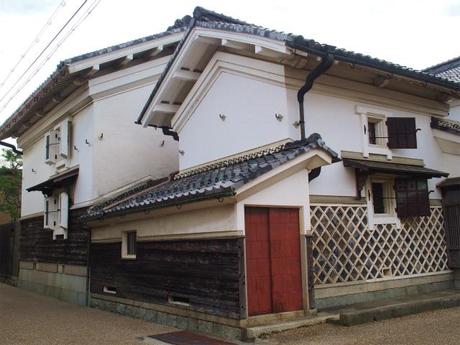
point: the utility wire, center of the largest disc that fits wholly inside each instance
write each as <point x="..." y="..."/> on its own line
<point x="74" y="27"/>
<point x="34" y="42"/>
<point x="43" y="50"/>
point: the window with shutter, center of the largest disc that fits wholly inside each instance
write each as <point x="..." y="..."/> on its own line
<point x="46" y="214"/>
<point x="402" y="133"/>
<point x="412" y="198"/>
<point x="63" y="210"/>
<point x="48" y="154"/>
<point x="64" y="139"/>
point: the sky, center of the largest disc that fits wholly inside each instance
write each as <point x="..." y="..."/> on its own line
<point x="413" y="33"/>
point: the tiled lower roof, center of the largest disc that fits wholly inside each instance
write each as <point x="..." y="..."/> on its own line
<point x="448" y="70"/>
<point x="219" y="180"/>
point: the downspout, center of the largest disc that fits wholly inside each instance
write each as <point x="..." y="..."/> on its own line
<point x="326" y="63"/>
<point x="11" y="146"/>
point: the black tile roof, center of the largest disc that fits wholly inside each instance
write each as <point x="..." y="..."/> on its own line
<point x="448" y="70"/>
<point x="211" y="20"/>
<point x="214" y="181"/>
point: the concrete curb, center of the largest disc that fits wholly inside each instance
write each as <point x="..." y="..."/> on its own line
<point x="258" y="331"/>
<point x="356" y="317"/>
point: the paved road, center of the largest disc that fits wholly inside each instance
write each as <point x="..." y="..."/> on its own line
<point x="31" y="319"/>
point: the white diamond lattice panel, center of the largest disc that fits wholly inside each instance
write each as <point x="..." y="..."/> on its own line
<point x="346" y="250"/>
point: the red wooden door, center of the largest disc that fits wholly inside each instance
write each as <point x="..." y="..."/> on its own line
<point x="273" y="260"/>
<point x="257" y="256"/>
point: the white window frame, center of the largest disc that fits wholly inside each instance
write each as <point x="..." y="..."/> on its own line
<point x="391" y="217"/>
<point x="379" y="116"/>
<point x="124" y="245"/>
<point x="56" y="213"/>
<point x="58" y="148"/>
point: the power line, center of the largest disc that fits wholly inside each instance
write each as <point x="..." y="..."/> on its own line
<point x="43" y="50"/>
<point x="34" y="42"/>
<point x="58" y="45"/>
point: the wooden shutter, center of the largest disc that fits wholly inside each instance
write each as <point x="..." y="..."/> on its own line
<point x="47" y="147"/>
<point x="64" y="143"/>
<point x="412" y="197"/>
<point x="46" y="214"/>
<point x="64" y="210"/>
<point x="402" y="133"/>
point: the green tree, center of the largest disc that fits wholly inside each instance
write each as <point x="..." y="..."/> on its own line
<point x="10" y="184"/>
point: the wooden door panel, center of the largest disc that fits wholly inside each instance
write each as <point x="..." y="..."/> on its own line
<point x="257" y="261"/>
<point x="273" y="260"/>
<point x="285" y="259"/>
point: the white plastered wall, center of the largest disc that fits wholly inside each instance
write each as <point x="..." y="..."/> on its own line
<point x="249" y="106"/>
<point x="125" y="153"/>
<point x="35" y="170"/>
<point x="202" y="221"/>
<point x="339" y="125"/>
<point x="250" y="99"/>
<point x="291" y="191"/>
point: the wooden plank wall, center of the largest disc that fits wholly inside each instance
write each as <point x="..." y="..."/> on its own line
<point x="451" y="208"/>
<point x="37" y="244"/>
<point x="207" y="273"/>
<point x="6" y="249"/>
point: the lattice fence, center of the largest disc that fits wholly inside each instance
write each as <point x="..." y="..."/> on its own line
<point x="346" y="250"/>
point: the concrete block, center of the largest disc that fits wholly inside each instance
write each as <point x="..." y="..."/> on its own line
<point x="407" y="306"/>
<point x="81" y="271"/>
<point x="182" y="323"/>
<point x="26" y="265"/>
<point x="46" y="267"/>
<point x="205" y="326"/>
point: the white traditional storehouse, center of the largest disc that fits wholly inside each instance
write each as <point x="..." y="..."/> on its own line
<point x="251" y="224"/>
<point x="221" y="209"/>
<point x="80" y="145"/>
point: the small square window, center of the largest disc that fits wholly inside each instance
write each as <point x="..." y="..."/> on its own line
<point x="376" y="131"/>
<point x="129" y="245"/>
<point x="382" y="198"/>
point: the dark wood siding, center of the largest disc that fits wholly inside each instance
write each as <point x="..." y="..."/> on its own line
<point x="451" y="206"/>
<point x="37" y="244"/>
<point x="6" y="249"/>
<point x="205" y="273"/>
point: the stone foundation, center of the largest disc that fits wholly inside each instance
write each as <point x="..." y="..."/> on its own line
<point x="65" y="282"/>
<point x="169" y="316"/>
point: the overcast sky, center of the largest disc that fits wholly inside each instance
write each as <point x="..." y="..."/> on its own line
<point x="414" y="33"/>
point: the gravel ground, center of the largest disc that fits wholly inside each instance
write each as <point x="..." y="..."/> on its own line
<point x="31" y="319"/>
<point x="441" y="327"/>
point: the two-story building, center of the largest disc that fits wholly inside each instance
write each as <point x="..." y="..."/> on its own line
<point x="80" y="146"/>
<point x="251" y="224"/>
<point x="447" y="134"/>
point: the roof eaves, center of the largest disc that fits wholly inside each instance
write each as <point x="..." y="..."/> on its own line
<point x="215" y="193"/>
<point x="59" y="75"/>
<point x="311" y="46"/>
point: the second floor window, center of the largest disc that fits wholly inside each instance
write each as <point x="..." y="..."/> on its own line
<point x="57" y="143"/>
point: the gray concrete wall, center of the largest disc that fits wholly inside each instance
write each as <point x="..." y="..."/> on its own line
<point x="457" y="278"/>
<point x="65" y="282"/>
